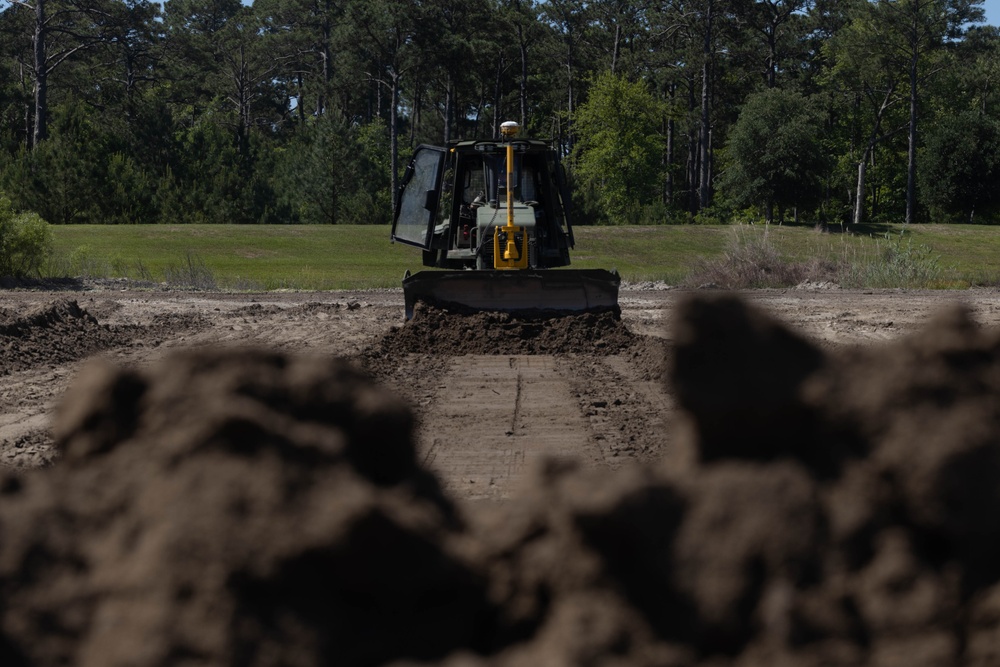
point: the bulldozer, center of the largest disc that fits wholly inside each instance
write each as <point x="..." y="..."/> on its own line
<point x="493" y="217"/>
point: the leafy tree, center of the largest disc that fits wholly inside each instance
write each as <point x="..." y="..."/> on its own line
<point x="775" y="155"/>
<point x="60" y="30"/>
<point x="372" y="201"/>
<point x="63" y="177"/>
<point x="778" y="26"/>
<point x="119" y="111"/>
<point x="459" y="38"/>
<point x="225" y="45"/>
<point x="974" y="73"/>
<point x="707" y="81"/>
<point x="303" y="34"/>
<point x="206" y="182"/>
<point x="25" y="241"/>
<point x="386" y="31"/>
<point x="124" y="63"/>
<point x="960" y="169"/>
<point x="568" y="19"/>
<point x="911" y="32"/>
<point x="620" y="33"/>
<point x="316" y="171"/>
<point x="619" y="145"/>
<point x="871" y="80"/>
<point x="335" y="173"/>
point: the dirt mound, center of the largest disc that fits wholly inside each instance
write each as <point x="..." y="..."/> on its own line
<point x="446" y="332"/>
<point x="231" y="508"/>
<point x="53" y="333"/>
<point x="62" y="331"/>
<point x="843" y="512"/>
<point x="252" y="508"/>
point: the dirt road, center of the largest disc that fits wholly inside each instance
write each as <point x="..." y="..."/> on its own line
<point x="483" y="418"/>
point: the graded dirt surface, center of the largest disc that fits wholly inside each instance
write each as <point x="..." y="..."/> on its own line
<point x="797" y="477"/>
<point x="591" y="390"/>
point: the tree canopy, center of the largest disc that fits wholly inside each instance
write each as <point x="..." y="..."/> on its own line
<point x="304" y="111"/>
<point x="619" y="147"/>
<point x="775" y="153"/>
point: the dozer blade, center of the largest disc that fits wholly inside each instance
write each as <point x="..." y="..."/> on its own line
<point x="527" y="291"/>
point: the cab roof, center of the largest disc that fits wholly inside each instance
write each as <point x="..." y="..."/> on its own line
<point x="497" y="145"/>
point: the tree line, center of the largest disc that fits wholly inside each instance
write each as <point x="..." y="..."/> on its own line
<point x="305" y="111"/>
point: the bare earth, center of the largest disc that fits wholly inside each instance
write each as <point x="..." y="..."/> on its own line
<point x="483" y="418"/>
<point x="806" y="479"/>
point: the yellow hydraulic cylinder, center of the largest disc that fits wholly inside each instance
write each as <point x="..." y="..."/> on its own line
<point x="510" y="254"/>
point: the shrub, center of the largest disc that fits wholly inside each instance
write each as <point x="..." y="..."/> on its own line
<point x="25" y="242"/>
<point x="751" y="261"/>
<point x="894" y="263"/>
<point x="192" y="273"/>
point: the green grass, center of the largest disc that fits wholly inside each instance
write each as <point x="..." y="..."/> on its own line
<point x="251" y="256"/>
<point x="353" y="257"/>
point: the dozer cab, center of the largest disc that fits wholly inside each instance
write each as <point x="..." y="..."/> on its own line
<point x="494" y="214"/>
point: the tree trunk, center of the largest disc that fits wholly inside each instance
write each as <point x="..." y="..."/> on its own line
<point x="668" y="191"/>
<point x="41" y="76"/>
<point x="301" y="101"/>
<point x="671" y="130"/>
<point x="497" y="95"/>
<point x="325" y="55"/>
<point x="772" y="58"/>
<point x="859" y="196"/>
<point x="523" y="87"/>
<point x="243" y="97"/>
<point x="415" y="114"/>
<point x="873" y="139"/>
<point x="692" y="157"/>
<point x="615" y="49"/>
<point x="911" y="153"/>
<point x="24" y="80"/>
<point x="703" y="180"/>
<point x="448" y="104"/>
<point x="394" y="140"/>
<point x="569" y="101"/>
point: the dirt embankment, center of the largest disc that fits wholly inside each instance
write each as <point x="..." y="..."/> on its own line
<point x="256" y="508"/>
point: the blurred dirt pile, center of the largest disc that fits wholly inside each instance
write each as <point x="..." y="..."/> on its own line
<point x="251" y="508"/>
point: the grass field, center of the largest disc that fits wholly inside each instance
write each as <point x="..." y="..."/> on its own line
<point x="350" y="257"/>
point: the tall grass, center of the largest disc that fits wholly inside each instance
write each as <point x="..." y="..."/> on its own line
<point x="894" y="261"/>
<point x="752" y="261"/>
<point x="191" y="273"/>
<point x="83" y="262"/>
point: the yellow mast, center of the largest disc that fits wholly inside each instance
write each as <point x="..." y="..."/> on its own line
<point x="512" y="256"/>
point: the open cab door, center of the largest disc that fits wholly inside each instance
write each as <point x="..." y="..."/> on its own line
<point x="417" y="200"/>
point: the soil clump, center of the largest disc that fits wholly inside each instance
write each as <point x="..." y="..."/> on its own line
<point x="238" y="507"/>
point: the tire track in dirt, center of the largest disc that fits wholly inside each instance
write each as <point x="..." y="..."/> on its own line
<point x="494" y="416"/>
<point x="628" y="415"/>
